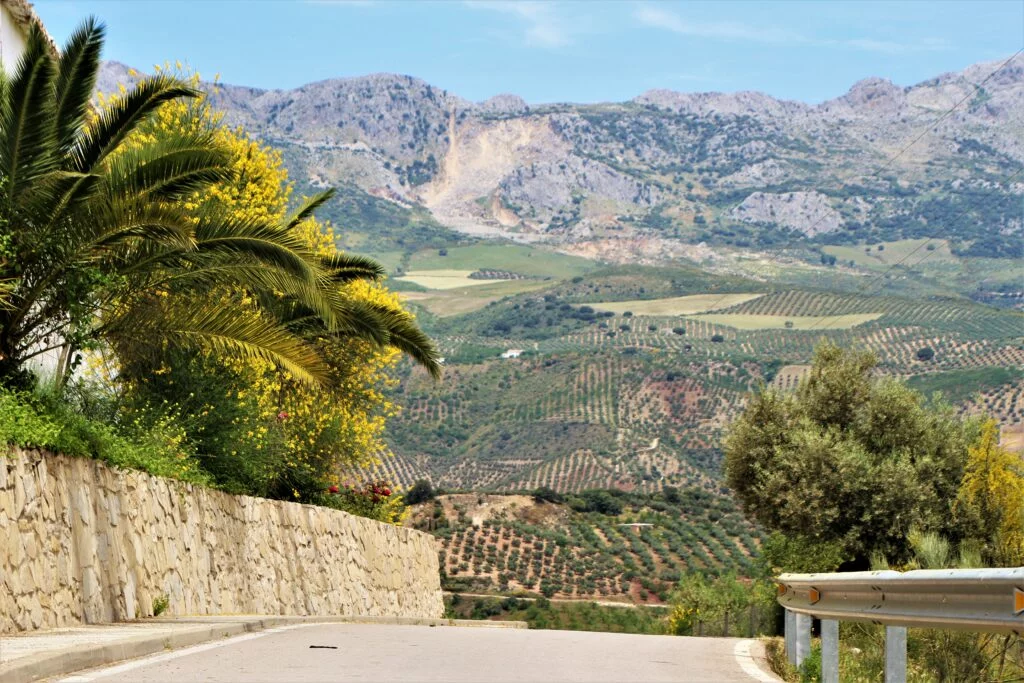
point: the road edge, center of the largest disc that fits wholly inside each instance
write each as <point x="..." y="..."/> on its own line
<point x="750" y="655"/>
<point x="59" y="663"/>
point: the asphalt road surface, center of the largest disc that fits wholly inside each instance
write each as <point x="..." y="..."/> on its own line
<point x="449" y="654"/>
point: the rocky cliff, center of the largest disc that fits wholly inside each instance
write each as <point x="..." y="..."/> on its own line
<point x="685" y="166"/>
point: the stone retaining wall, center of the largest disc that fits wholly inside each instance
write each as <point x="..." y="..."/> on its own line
<point x="81" y="542"/>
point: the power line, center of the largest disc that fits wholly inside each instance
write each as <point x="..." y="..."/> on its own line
<point x="906" y="147"/>
<point x="861" y="290"/>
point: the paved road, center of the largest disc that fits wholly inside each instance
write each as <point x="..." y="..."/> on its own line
<point x="448" y="654"/>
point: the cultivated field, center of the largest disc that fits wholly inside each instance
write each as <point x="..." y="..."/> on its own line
<point x="742" y="321"/>
<point x="507" y="257"/>
<point x="442" y="279"/>
<point x="680" y="305"/>
<point x="901" y="251"/>
<point x="511" y="543"/>
<point x="446" y="303"/>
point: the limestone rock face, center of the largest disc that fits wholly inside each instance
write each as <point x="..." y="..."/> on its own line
<point x="808" y="212"/>
<point x="106" y="543"/>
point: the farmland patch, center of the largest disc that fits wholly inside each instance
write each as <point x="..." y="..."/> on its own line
<point x="679" y="305"/>
<point x="442" y="279"/>
<point x="742" y="321"/>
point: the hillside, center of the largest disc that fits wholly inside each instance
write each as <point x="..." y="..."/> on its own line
<point x="653" y="178"/>
<point x="607" y="547"/>
<point x="628" y="375"/>
<point x="609" y="282"/>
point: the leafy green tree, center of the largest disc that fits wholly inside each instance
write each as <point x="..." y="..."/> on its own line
<point x="546" y="494"/>
<point x="848" y="460"/>
<point x="419" y="492"/>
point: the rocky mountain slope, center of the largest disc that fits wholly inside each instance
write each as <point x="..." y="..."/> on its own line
<point x="739" y="168"/>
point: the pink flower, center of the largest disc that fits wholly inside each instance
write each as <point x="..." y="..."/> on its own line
<point x="333" y="489"/>
<point x="282" y="416"/>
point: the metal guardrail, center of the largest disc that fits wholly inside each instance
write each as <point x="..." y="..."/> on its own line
<point x="966" y="599"/>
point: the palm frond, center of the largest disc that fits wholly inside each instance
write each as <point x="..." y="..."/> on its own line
<point x="76" y="80"/>
<point x="209" y="327"/>
<point x="27" y="127"/>
<point x="169" y="169"/>
<point x="308" y="208"/>
<point x="407" y="337"/>
<point x="115" y="223"/>
<point x="121" y="117"/>
<point x="274" y="245"/>
<point x="280" y="292"/>
<point x="344" y="268"/>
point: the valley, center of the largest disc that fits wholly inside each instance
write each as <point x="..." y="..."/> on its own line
<point x="609" y="282"/>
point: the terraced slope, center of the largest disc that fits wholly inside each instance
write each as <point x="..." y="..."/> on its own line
<point x="624" y="399"/>
<point x="513" y="543"/>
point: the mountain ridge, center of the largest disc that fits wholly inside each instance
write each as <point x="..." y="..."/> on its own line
<point x="739" y="170"/>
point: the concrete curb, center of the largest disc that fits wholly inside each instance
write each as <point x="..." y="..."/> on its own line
<point x="57" y="663"/>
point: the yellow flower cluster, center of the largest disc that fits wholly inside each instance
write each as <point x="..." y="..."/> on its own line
<point x="325" y="430"/>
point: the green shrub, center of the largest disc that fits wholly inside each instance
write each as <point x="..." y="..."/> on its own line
<point x="153" y="444"/>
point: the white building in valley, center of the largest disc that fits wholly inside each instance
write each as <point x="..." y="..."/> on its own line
<point x="512" y="353"/>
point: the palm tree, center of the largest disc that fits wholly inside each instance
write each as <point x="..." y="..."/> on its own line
<point x="97" y="245"/>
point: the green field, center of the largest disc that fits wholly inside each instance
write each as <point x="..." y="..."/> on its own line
<point x="442" y="279"/>
<point x="680" y="305"/>
<point x="472" y="296"/>
<point x="389" y="259"/>
<point x="509" y="257"/>
<point x="894" y="252"/>
<point x="742" y="321"/>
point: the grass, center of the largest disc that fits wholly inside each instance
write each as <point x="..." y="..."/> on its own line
<point x="959" y="385"/>
<point x="680" y="305"/>
<point x="509" y="257"/>
<point x="389" y="259"/>
<point x="742" y="321"/>
<point x="442" y="279"/>
<point x="472" y="296"/>
<point x="894" y="252"/>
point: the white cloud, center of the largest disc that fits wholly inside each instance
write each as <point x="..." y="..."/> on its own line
<point x="720" y="30"/>
<point x="738" y="32"/>
<point x="544" y="27"/>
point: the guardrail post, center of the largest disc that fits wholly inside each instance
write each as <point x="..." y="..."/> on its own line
<point x="829" y="651"/>
<point x="895" y="654"/>
<point x="803" y="637"/>
<point x="790" y="636"/>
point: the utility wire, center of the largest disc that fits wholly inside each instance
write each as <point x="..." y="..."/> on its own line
<point x="861" y="290"/>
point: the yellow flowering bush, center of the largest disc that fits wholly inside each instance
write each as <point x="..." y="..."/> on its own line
<point x="257" y="429"/>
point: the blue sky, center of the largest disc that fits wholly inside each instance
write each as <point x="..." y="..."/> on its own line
<point x="558" y="51"/>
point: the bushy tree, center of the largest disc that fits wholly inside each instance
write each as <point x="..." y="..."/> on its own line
<point x="991" y="499"/>
<point x="546" y="494"/>
<point x="848" y="459"/>
<point x="419" y="492"/>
